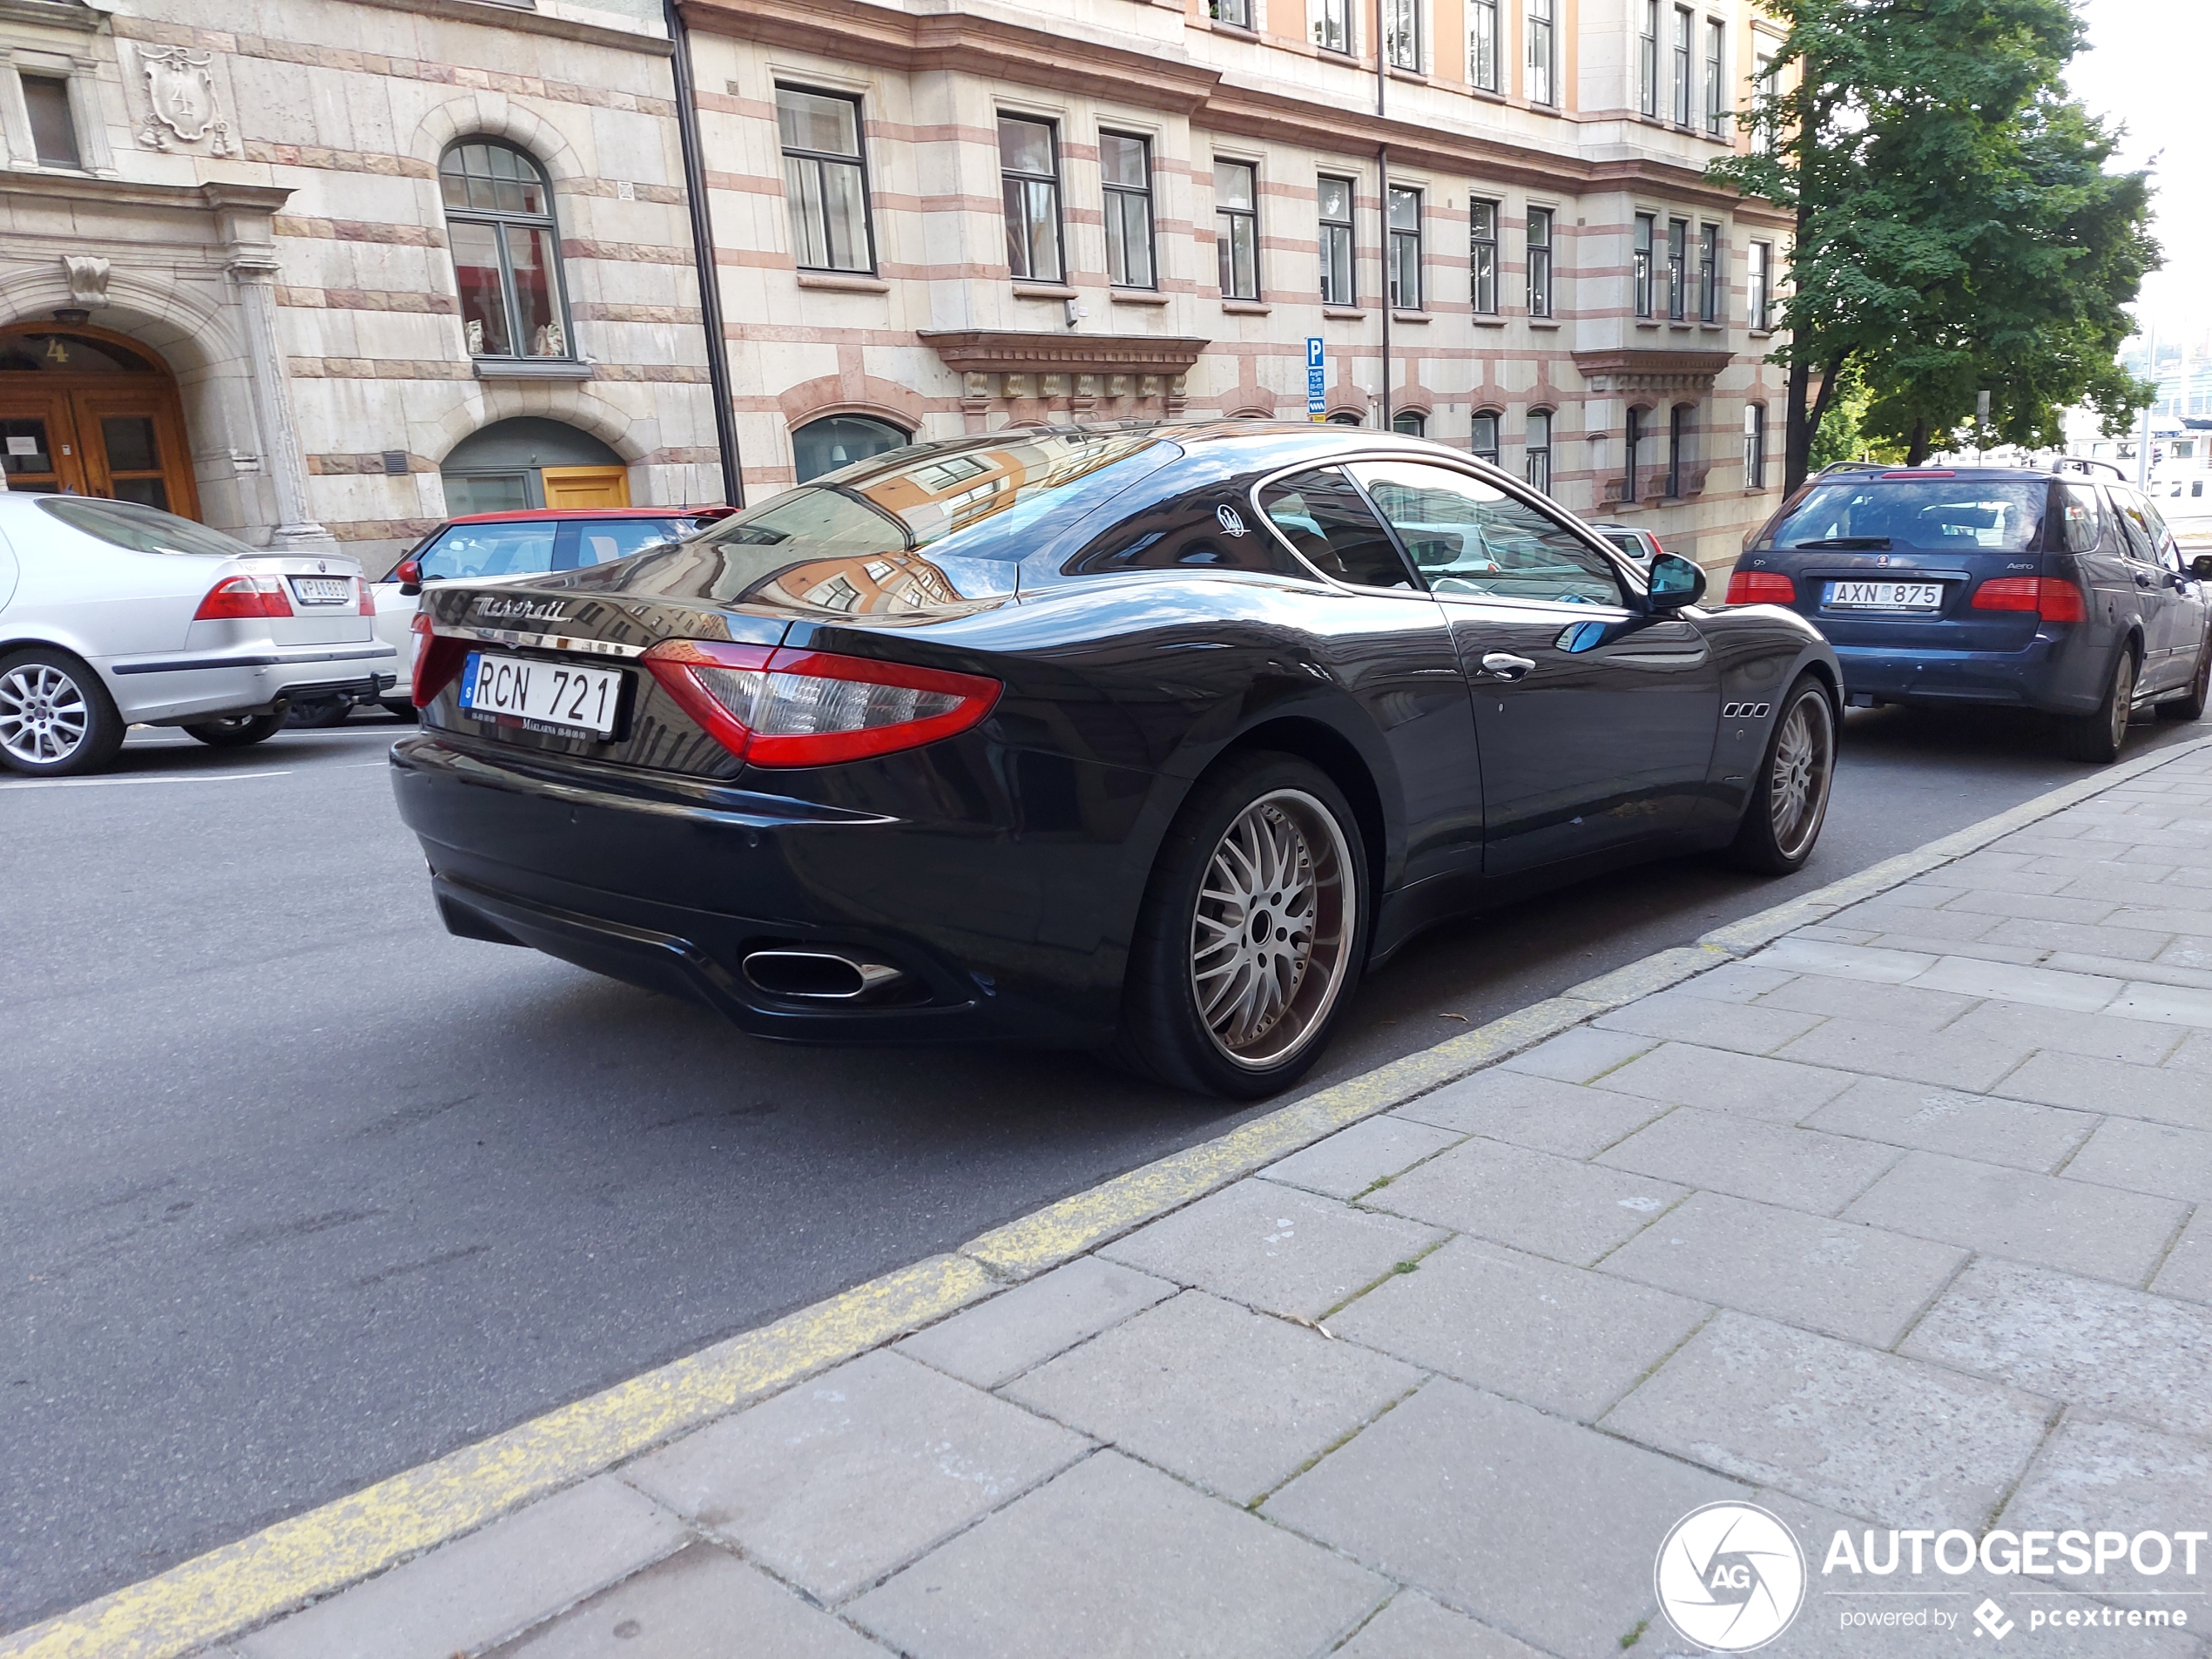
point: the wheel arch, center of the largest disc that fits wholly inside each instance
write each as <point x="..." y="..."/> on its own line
<point x="1322" y="746"/>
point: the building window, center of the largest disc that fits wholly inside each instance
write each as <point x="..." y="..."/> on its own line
<point x="1755" y="446"/>
<point x="1756" y="299"/>
<point x="1482" y="44"/>
<point x="1029" y="172"/>
<point x="1338" y="283"/>
<point x="1402" y="33"/>
<point x="1236" y="227"/>
<point x="1125" y="165"/>
<point x="1648" y="60"/>
<point x="1709" y="273"/>
<point x="506" y="252"/>
<point x="1332" y="25"/>
<point x="1682" y="67"/>
<point x="1540" y="451"/>
<point x="825" y="180"/>
<point x="1343" y="417"/>
<point x="1483" y="440"/>
<point x="1632" y="452"/>
<point x="1715" y="75"/>
<point x="1766" y="83"/>
<point x="1412" y="422"/>
<point x="839" y="441"/>
<point x="1540" y="261"/>
<point x="1677" y="449"/>
<point x="1541" y="89"/>
<point x="1405" y="248"/>
<point x="1646" y="233"/>
<point x="1677" y="267"/>
<point x="1238" y="14"/>
<point x="1482" y="256"/>
<point x="53" y="132"/>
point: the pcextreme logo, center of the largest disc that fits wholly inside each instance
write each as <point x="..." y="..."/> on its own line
<point x="1730" y="1576"/>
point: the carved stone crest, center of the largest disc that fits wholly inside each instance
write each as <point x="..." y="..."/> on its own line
<point x="182" y="102"/>
<point x="87" y="275"/>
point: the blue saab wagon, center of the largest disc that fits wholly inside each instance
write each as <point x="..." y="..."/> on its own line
<point x="2041" y="589"/>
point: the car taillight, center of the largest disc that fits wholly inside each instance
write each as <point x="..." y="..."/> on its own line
<point x="238" y="597"/>
<point x="2050" y="597"/>
<point x="1760" y="588"/>
<point x="437" y="660"/>
<point x="368" y="596"/>
<point x="815" y="708"/>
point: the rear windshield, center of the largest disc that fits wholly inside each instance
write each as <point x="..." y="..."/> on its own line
<point x="1930" y="515"/>
<point x="533" y="547"/>
<point x="145" y="529"/>
<point x="997" y="502"/>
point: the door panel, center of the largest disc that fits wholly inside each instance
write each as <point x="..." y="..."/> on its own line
<point x="134" y="448"/>
<point x="586" y="485"/>
<point x="1594" y="722"/>
<point x="39" y="441"/>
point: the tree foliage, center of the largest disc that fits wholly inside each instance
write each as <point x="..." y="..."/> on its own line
<point x="1956" y="229"/>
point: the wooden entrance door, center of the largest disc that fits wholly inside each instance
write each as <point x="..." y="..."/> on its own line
<point x="586" y="485"/>
<point x="86" y="413"/>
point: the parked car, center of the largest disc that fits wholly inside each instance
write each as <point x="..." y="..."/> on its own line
<point x="507" y="547"/>
<point x="114" y="615"/>
<point x="2028" y="587"/>
<point x="1152" y="738"/>
<point x="1640" y="545"/>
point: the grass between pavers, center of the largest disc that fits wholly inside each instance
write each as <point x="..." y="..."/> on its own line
<point x="232" y="1589"/>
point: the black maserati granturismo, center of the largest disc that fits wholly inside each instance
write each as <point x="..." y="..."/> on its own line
<point x="1147" y="739"/>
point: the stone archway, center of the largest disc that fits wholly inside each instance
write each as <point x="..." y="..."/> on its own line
<point x="90" y="411"/>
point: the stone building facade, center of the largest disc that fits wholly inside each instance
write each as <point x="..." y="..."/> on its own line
<point x="1576" y="128"/>
<point x="237" y="213"/>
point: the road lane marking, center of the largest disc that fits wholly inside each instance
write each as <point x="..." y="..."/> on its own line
<point x="221" y="1595"/>
<point x="157" y="777"/>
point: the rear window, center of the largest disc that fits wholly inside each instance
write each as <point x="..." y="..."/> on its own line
<point x="145" y="529"/>
<point x="534" y="547"/>
<point x="1927" y="515"/>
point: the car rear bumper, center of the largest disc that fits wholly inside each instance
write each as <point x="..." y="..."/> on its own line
<point x="672" y="884"/>
<point x="2058" y="673"/>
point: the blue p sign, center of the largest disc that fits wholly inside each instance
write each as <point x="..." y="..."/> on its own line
<point x="1313" y="352"/>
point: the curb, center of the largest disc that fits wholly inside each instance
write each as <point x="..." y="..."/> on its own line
<point x="232" y="1589"/>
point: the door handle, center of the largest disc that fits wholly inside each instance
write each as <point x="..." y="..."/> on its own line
<point x="1507" y="666"/>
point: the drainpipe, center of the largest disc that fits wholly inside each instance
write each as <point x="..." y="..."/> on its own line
<point x="1382" y="84"/>
<point x="717" y="346"/>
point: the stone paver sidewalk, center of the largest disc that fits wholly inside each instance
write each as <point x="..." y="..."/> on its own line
<point x="1903" y="1222"/>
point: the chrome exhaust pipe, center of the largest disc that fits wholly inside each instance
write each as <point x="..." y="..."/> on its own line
<point x="817" y="975"/>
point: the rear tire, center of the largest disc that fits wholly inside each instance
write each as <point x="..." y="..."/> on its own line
<point x="1252" y="935"/>
<point x="239" y="731"/>
<point x="55" y="718"/>
<point x="2097" y="738"/>
<point x="2190" y="706"/>
<point x="1789" y="800"/>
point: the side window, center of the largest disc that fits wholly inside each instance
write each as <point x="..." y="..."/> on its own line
<point x="604" y="541"/>
<point x="2166" y="553"/>
<point x="2084" y="522"/>
<point x="1205" y="529"/>
<point x="1469" y="537"/>
<point x="1321" y="515"/>
<point x="2128" y="512"/>
<point x="469" y="551"/>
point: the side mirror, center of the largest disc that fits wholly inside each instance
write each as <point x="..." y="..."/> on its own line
<point x="2201" y="567"/>
<point x="1676" y="582"/>
<point x="409" y="574"/>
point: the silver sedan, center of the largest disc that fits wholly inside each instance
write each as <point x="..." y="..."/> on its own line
<point x="114" y="615"/>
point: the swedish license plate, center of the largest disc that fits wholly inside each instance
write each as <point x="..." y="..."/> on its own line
<point x="1885" y="596"/>
<point x="323" y="590"/>
<point x="560" y="698"/>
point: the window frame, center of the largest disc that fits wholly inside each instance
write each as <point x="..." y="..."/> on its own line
<point x="1715" y="74"/>
<point x="1225" y="222"/>
<point x="71" y="127"/>
<point x="1222" y="11"/>
<point x="1755" y="446"/>
<point x="498" y="222"/>
<point x="1677" y="269"/>
<point x="820" y="158"/>
<point x="1348" y="229"/>
<point x="1678" y="443"/>
<point x="1648" y="62"/>
<point x="1539" y="256"/>
<point x="1337" y="17"/>
<point x="1537" y="457"/>
<point x="1643" y="248"/>
<point x="1112" y="195"/>
<point x="1394" y="283"/>
<point x="1709" y="272"/>
<point x="1405" y="25"/>
<point x="1758" y="287"/>
<point x="1483" y="213"/>
<point x="1539" y="27"/>
<point x="1418" y="420"/>
<point x="1054" y="181"/>
<point x="1497" y="419"/>
<point x="1484" y="61"/>
<point x="1632" y="437"/>
<point x="1680" y="101"/>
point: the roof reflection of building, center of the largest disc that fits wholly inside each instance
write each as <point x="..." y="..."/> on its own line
<point x="969" y="484"/>
<point x="869" y="584"/>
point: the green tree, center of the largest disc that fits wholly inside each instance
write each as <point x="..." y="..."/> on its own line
<point x="1955" y="231"/>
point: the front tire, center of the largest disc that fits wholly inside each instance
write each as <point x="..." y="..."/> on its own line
<point x="2190" y="705"/>
<point x="238" y="731"/>
<point x="1253" y="932"/>
<point x="55" y="718"/>
<point x="1789" y="801"/>
<point x="2096" y="738"/>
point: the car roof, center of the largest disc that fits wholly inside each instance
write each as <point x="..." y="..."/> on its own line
<point x="529" y="515"/>
<point x="1874" y="472"/>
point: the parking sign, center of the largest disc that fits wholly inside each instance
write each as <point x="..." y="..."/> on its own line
<point x="1317" y="387"/>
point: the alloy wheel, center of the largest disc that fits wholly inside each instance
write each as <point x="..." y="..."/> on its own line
<point x="1272" y="933"/>
<point x="1805" y="759"/>
<point x="2123" y="698"/>
<point x="43" y="714"/>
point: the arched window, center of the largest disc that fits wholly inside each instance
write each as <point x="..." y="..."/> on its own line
<point x="1412" y="422"/>
<point x="1484" y="438"/>
<point x="506" y="251"/>
<point x="1343" y="417"/>
<point x="839" y="439"/>
<point x="1539" y="448"/>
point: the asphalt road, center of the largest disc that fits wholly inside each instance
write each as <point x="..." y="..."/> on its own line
<point x="297" y="1191"/>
